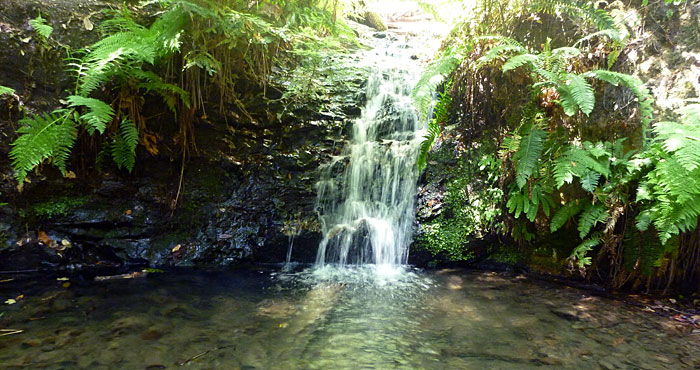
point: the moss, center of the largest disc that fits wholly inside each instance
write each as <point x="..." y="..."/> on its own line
<point x="470" y="206"/>
<point x="57" y="207"/>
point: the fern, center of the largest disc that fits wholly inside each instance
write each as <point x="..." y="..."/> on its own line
<point x="529" y="203"/>
<point x="531" y="146"/>
<point x="519" y="61"/>
<point x="43" y="137"/>
<point x="98" y="115"/>
<point x="565" y="213"/>
<point x="6" y="91"/>
<point x="581" y="94"/>
<point x="586" y="11"/>
<point x="41" y="27"/>
<point x="124" y="145"/>
<point x="578" y="255"/>
<point x="434" y="74"/>
<point x="591" y="216"/>
<point x="671" y="189"/>
<point x="578" y="162"/>
<point x="431" y="135"/>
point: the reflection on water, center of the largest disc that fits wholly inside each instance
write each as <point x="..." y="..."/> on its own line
<point x="330" y="318"/>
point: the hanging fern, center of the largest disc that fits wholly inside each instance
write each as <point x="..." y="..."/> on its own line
<point x="434" y="74"/>
<point x="672" y="189"/>
<point x="6" y="91"/>
<point x="578" y="162"/>
<point x="98" y="115"/>
<point x="43" y="137"/>
<point x="591" y="216"/>
<point x="585" y="11"/>
<point x="576" y="94"/>
<point x="520" y="201"/>
<point x="566" y="212"/>
<point x="531" y="146"/>
<point x="124" y="145"/>
<point x="578" y="255"/>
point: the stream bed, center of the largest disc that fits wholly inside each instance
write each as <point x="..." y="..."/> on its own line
<point x="329" y="318"/>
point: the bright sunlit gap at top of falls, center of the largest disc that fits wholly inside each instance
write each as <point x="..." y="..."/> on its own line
<point x="366" y="195"/>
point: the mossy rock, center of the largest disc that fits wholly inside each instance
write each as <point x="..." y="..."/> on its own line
<point x="373" y="20"/>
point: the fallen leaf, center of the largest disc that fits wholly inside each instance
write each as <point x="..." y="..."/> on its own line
<point x="87" y="23"/>
<point x="127" y="212"/>
<point x="66" y="284"/>
<point x="44" y="238"/>
<point x="10" y="301"/>
<point x="176" y="248"/>
<point x="65" y="243"/>
<point x="62" y="279"/>
<point x="6" y="280"/>
<point x="20" y="297"/>
<point x="70" y="175"/>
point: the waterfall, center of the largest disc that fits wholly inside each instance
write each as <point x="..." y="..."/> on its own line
<point x="366" y="195"/>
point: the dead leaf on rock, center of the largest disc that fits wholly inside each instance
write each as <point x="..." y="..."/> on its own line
<point x="176" y="248"/>
<point x="87" y="23"/>
<point x="44" y="238"/>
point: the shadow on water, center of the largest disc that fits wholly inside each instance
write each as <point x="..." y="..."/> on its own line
<point x="340" y="318"/>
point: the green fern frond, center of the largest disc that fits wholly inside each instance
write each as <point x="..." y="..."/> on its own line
<point x="41" y="27"/>
<point x="585" y="11"/>
<point x="519" y="60"/>
<point x="566" y="212"/>
<point x="6" y="91"/>
<point x="497" y="52"/>
<point x="578" y="162"/>
<point x="529" y="151"/>
<point x="612" y="34"/>
<point x="576" y="94"/>
<point x="578" y="255"/>
<point x="591" y="216"/>
<point x="124" y="145"/>
<point x="431" y="135"/>
<point x="683" y="140"/>
<point x="43" y="137"/>
<point x="589" y="181"/>
<point x="432" y="77"/>
<point x="99" y="113"/>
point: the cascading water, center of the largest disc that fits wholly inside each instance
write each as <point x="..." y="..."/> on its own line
<point x="366" y="195"/>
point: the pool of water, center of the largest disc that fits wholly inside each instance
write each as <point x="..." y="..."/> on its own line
<point x="329" y="319"/>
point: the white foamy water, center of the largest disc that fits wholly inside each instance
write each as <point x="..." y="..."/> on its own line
<point x="366" y="195"/>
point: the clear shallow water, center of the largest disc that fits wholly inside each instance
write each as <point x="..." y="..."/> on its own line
<point x="330" y="319"/>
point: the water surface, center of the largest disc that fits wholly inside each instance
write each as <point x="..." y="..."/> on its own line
<point x="330" y="318"/>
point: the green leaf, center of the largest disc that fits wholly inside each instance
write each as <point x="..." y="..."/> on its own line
<point x="98" y="115"/>
<point x="43" y="137"/>
<point x="565" y="213"/>
<point x="591" y="216"/>
<point x="124" y="145"/>
<point x="581" y="92"/>
<point x="519" y="60"/>
<point x="6" y="91"/>
<point x="41" y="27"/>
<point x="528" y="153"/>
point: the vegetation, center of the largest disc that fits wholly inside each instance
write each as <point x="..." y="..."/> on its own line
<point x="191" y="52"/>
<point x="630" y="195"/>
